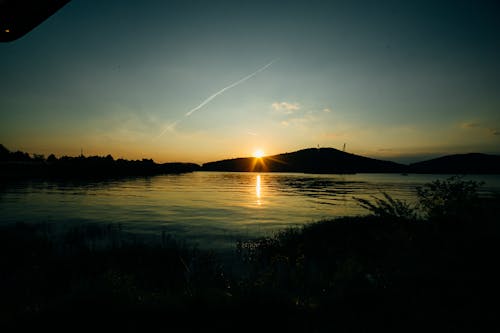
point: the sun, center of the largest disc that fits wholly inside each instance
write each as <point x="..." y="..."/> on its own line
<point x="258" y="153"/>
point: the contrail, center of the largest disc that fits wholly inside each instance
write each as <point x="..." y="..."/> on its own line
<point x="229" y="87"/>
<point x="171" y="126"/>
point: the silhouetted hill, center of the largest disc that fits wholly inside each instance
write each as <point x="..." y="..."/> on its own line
<point x="312" y="160"/>
<point x="473" y="163"/>
<point x="19" y="165"/>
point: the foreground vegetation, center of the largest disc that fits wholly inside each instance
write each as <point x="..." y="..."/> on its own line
<point x="403" y="267"/>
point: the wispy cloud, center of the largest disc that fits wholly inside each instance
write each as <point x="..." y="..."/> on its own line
<point x="302" y="121"/>
<point x="285" y="107"/>
<point x="469" y="125"/>
<point x="295" y="115"/>
<point x="479" y="127"/>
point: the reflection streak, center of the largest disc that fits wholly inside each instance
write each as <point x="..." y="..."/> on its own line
<point x="257" y="190"/>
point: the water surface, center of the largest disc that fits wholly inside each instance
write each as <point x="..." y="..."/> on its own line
<point x="213" y="209"/>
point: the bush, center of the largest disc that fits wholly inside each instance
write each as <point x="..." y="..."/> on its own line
<point x="389" y="207"/>
<point x="453" y="198"/>
<point x="450" y="198"/>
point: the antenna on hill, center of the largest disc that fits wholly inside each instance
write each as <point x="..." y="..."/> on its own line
<point x="81" y="152"/>
<point x="343" y="149"/>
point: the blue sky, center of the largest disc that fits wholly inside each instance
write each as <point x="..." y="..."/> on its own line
<point x="390" y="79"/>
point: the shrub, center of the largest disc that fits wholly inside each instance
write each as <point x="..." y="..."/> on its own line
<point x="389" y="207"/>
<point x="450" y="198"/>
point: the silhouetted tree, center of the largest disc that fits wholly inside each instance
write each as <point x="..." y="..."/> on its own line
<point x="39" y="157"/>
<point x="20" y="156"/>
<point x="52" y="158"/>
<point x="4" y="153"/>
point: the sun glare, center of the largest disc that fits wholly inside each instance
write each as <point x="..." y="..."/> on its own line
<point x="258" y="153"/>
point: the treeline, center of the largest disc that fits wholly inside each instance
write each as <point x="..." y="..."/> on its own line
<point x="21" y="164"/>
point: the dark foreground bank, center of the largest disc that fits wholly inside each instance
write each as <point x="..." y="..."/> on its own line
<point x="393" y="269"/>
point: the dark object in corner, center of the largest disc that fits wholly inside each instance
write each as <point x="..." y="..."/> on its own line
<point x="18" y="17"/>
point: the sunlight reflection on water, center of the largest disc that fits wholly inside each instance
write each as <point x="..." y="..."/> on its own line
<point x="211" y="208"/>
<point x="257" y="189"/>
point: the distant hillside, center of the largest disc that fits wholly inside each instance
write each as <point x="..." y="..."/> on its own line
<point x="312" y="160"/>
<point x="473" y="163"/>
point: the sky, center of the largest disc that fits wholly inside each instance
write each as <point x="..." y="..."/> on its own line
<point x="198" y="81"/>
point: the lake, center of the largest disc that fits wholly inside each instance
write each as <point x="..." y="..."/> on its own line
<point x="211" y="209"/>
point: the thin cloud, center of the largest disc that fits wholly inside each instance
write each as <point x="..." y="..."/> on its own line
<point x="285" y="107"/>
<point x="470" y="125"/>
<point x="299" y="121"/>
<point x="479" y="127"/>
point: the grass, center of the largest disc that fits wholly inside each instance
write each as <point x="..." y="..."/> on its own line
<point x="44" y="274"/>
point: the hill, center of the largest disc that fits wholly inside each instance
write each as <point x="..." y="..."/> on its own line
<point x="473" y="163"/>
<point x="311" y="160"/>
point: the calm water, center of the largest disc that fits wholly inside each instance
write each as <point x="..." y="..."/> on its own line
<point x="213" y="209"/>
